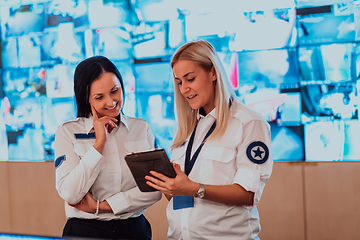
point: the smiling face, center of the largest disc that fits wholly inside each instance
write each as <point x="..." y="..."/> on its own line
<point x="196" y="84"/>
<point x="106" y="95"/>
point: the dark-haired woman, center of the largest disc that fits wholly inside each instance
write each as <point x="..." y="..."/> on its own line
<point x="101" y="197"/>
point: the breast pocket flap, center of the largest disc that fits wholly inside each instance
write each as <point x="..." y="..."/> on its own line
<point x="177" y="153"/>
<point x="219" y="154"/>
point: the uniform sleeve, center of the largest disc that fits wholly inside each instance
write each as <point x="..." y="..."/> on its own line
<point x="74" y="177"/>
<point x="134" y="200"/>
<point x="254" y="158"/>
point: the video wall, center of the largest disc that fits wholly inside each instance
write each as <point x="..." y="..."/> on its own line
<point x="295" y="62"/>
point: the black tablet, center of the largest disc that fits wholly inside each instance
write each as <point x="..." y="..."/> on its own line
<point x="141" y="163"/>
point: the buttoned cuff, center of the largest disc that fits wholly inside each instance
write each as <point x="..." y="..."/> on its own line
<point x="118" y="203"/>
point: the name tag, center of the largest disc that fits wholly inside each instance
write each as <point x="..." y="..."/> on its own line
<point x="183" y="201"/>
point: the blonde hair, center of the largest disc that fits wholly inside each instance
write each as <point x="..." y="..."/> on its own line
<point x="204" y="54"/>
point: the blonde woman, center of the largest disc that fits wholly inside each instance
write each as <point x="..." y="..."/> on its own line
<point x="221" y="153"/>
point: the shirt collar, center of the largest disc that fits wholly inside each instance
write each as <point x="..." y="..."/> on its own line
<point x="89" y="122"/>
<point x="123" y="119"/>
<point x="211" y="113"/>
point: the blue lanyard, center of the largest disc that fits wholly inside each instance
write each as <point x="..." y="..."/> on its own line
<point x="190" y="163"/>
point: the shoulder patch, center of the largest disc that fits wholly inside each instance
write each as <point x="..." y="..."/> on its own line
<point x="257" y="152"/>
<point x="59" y="161"/>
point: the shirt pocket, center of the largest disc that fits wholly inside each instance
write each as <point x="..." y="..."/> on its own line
<point x="217" y="165"/>
<point x="137" y="146"/>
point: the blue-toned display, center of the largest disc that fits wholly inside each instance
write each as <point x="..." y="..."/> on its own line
<point x="335" y="140"/>
<point x="330" y="102"/>
<point x="297" y="62"/>
<point x="270" y="68"/>
<point x="326" y="24"/>
<point x="287" y="142"/>
<point x="14" y="236"/>
<point x="155" y="97"/>
<point x="327" y="63"/>
<point x="268" y="81"/>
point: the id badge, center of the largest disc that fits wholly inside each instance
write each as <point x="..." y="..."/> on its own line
<point x="183" y="201"/>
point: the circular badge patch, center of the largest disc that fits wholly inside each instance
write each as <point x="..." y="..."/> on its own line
<point x="257" y="152"/>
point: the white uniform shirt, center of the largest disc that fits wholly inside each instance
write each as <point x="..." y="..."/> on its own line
<point x="80" y="168"/>
<point x="243" y="156"/>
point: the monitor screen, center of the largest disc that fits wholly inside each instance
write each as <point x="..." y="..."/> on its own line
<point x="330" y="102"/>
<point x="6" y="236"/>
<point x="113" y="43"/>
<point x="327" y="63"/>
<point x="332" y="141"/>
<point x="271" y="68"/>
<point x="317" y="3"/>
<point x="21" y="19"/>
<point x="62" y="43"/>
<point x="153" y="75"/>
<point x="264" y="29"/>
<point x="274" y="105"/>
<point x="158" y="110"/>
<point x="155" y="98"/>
<point x="9" y="53"/>
<point x="287" y="142"/>
<point x="326" y="24"/>
<point x="15" y="236"/>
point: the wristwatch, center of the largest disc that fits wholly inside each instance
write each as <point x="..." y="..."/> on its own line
<point x="201" y="192"/>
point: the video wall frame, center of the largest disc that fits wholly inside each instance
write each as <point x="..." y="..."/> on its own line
<point x="296" y="62"/>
